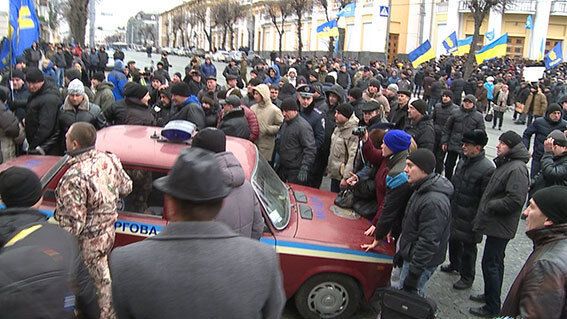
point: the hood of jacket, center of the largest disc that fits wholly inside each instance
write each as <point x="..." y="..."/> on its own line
<point x="13" y="219"/>
<point x="118" y="66"/>
<point x="435" y="183"/>
<point x="337" y="90"/>
<point x="518" y="152"/>
<point x="264" y="91"/>
<point x="105" y="85"/>
<point x="232" y="172"/>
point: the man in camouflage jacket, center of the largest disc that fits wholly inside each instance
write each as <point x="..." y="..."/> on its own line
<point x="86" y="204"/>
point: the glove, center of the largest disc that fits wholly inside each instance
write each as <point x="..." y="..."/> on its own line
<point x="302" y="176"/>
<point x="398" y="261"/>
<point x="410" y="284"/>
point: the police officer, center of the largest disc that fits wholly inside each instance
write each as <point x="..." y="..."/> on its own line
<point x="313" y="116"/>
<point x="296" y="145"/>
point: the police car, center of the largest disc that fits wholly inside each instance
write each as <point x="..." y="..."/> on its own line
<point x="318" y="243"/>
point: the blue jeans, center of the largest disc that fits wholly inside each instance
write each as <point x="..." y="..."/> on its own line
<point x="399" y="276"/>
<point x="60" y="73"/>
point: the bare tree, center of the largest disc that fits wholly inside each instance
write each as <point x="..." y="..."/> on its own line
<point x="54" y="14"/>
<point x="166" y="23"/>
<point x="325" y="5"/>
<point x="76" y="11"/>
<point x="480" y="9"/>
<point x="179" y="23"/>
<point x="300" y="7"/>
<point x="234" y="13"/>
<point x="200" y="13"/>
<point x="278" y="9"/>
<point x="220" y="15"/>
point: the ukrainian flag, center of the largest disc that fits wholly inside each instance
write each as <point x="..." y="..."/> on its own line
<point x="554" y="57"/>
<point x="328" y="29"/>
<point x="496" y="48"/>
<point x="450" y="43"/>
<point x="464" y="46"/>
<point x="422" y="54"/>
<point x="24" y="26"/>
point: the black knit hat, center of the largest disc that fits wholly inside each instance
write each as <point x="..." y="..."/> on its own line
<point x="448" y="93"/>
<point x="135" y="90"/>
<point x="419" y="105"/>
<point x="553" y="107"/>
<point x="289" y="104"/>
<point x="99" y="76"/>
<point x="181" y="89"/>
<point x="374" y="82"/>
<point x="254" y="82"/>
<point x="552" y="201"/>
<point x="510" y="138"/>
<point x="355" y="92"/>
<point x="19" y="187"/>
<point x="34" y="75"/>
<point x="345" y="109"/>
<point x="475" y="137"/>
<point x="18" y="74"/>
<point x="159" y="78"/>
<point x="211" y="139"/>
<point x="424" y="159"/>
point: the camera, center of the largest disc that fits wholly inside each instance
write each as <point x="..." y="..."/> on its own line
<point x="359" y="131"/>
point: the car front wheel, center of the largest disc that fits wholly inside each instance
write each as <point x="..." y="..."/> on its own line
<point x="328" y="296"/>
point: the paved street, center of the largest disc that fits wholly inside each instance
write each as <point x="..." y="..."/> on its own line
<point x="452" y="303"/>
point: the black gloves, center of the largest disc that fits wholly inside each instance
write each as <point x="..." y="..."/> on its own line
<point x="302" y="175"/>
<point x="412" y="279"/>
<point x="398" y="260"/>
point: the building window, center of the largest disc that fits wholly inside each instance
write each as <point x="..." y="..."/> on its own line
<point x="515" y="48"/>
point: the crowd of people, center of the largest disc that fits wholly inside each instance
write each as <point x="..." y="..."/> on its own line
<point x="406" y="144"/>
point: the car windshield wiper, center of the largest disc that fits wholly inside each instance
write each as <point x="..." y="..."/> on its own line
<point x="45" y="179"/>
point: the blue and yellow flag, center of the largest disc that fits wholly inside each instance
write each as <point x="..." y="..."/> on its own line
<point x="464" y="46"/>
<point x="450" y="43"/>
<point x="24" y="26"/>
<point x="4" y="53"/>
<point x="554" y="57"/>
<point x="328" y="29"/>
<point x="496" y="48"/>
<point x="347" y="11"/>
<point x="422" y="54"/>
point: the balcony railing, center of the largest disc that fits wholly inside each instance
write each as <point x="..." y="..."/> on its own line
<point x="517" y="6"/>
<point x="442" y="7"/>
<point x="559" y="8"/>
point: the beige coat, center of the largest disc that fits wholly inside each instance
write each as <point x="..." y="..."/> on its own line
<point x="343" y="150"/>
<point x="270" y="118"/>
<point x="540" y="104"/>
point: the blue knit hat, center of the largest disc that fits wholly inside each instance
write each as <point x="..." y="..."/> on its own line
<point x="397" y="140"/>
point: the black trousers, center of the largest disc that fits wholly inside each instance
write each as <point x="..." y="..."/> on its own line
<point x="439" y="158"/>
<point x="450" y="163"/>
<point x="335" y="185"/>
<point x="493" y="271"/>
<point x="498" y="116"/>
<point x="462" y="256"/>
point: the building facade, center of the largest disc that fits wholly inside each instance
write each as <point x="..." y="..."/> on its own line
<point x="142" y="29"/>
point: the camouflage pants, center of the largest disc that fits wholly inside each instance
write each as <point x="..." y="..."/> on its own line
<point x="95" y="253"/>
<point x="137" y="201"/>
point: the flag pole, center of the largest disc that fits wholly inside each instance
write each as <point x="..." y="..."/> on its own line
<point x="10" y="56"/>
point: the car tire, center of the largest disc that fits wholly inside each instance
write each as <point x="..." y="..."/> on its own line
<point x="328" y="296"/>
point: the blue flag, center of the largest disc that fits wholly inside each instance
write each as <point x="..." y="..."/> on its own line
<point x="529" y="22"/>
<point x="554" y="57"/>
<point x="24" y="26"/>
<point x="328" y="29"/>
<point x="347" y="11"/>
<point x="4" y="53"/>
<point x="489" y="35"/>
<point x="450" y="43"/>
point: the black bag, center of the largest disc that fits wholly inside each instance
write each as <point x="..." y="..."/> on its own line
<point x="345" y="198"/>
<point x="366" y="208"/>
<point x="400" y="304"/>
<point x="489" y="114"/>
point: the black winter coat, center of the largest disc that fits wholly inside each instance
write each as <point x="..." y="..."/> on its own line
<point x="502" y="201"/>
<point x="235" y="124"/>
<point x="41" y="119"/>
<point x="440" y="115"/>
<point x="129" y="111"/>
<point x="91" y="115"/>
<point x="541" y="127"/>
<point x="470" y="180"/>
<point x="189" y="112"/>
<point x="18" y="102"/>
<point x="398" y="116"/>
<point x="296" y="144"/>
<point x="553" y="172"/>
<point x="426" y="225"/>
<point x="42" y="270"/>
<point x="423" y="133"/>
<point x="461" y="121"/>
<point x="457" y="87"/>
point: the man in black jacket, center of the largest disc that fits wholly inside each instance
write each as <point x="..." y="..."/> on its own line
<point x="498" y="216"/>
<point x="420" y="125"/>
<point x="185" y="107"/>
<point x="19" y="94"/>
<point x="425" y="229"/>
<point x="457" y="87"/>
<point x="471" y="177"/>
<point x="296" y="145"/>
<point x="398" y="116"/>
<point x="553" y="163"/>
<point x="440" y="115"/>
<point x="42" y="273"/>
<point x="233" y="122"/>
<point x="314" y="117"/>
<point x="41" y="115"/>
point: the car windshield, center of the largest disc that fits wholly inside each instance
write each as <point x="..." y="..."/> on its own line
<point x="273" y="194"/>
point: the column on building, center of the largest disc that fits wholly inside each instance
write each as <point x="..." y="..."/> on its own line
<point x="352" y="38"/>
<point x="380" y="29"/>
<point x="539" y="31"/>
<point x="494" y="24"/>
<point x="416" y="25"/>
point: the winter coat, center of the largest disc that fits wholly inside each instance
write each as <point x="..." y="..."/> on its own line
<point x="541" y="127"/>
<point x="426" y="225"/>
<point x="40" y="271"/>
<point x="489" y="86"/>
<point x="539" y="104"/>
<point x="343" y="79"/>
<point x="481" y="97"/>
<point x="59" y="60"/>
<point x="422" y="132"/>
<point x="275" y="80"/>
<point x="228" y="70"/>
<point x="234" y="124"/>
<point x="296" y="145"/>
<point x="208" y="70"/>
<point x="501" y="101"/>
<point x="18" y="101"/>
<point x="270" y="119"/>
<point x="85" y="112"/>
<point x="457" y="87"/>
<point x="9" y="132"/>
<point x="502" y="201"/>
<point x="41" y="119"/>
<point x="315" y="118"/>
<point x="104" y="96"/>
<point x="539" y="289"/>
<point x="399" y="117"/>
<point x="212" y="115"/>
<point x="470" y="180"/>
<point x="119" y="80"/>
<point x="329" y="118"/>
<point x="461" y="121"/>
<point x="102" y="59"/>
<point x="241" y="209"/>
<point x="252" y="123"/>
<point x="129" y="111"/>
<point x="440" y="115"/>
<point x="343" y="150"/>
<point x="189" y="111"/>
<point x="553" y="172"/>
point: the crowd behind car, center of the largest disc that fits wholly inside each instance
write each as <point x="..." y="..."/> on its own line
<point x="404" y="147"/>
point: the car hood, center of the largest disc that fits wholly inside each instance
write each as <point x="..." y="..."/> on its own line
<point x="330" y="224"/>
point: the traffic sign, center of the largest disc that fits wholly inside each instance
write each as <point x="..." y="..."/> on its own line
<point x="384" y="11"/>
